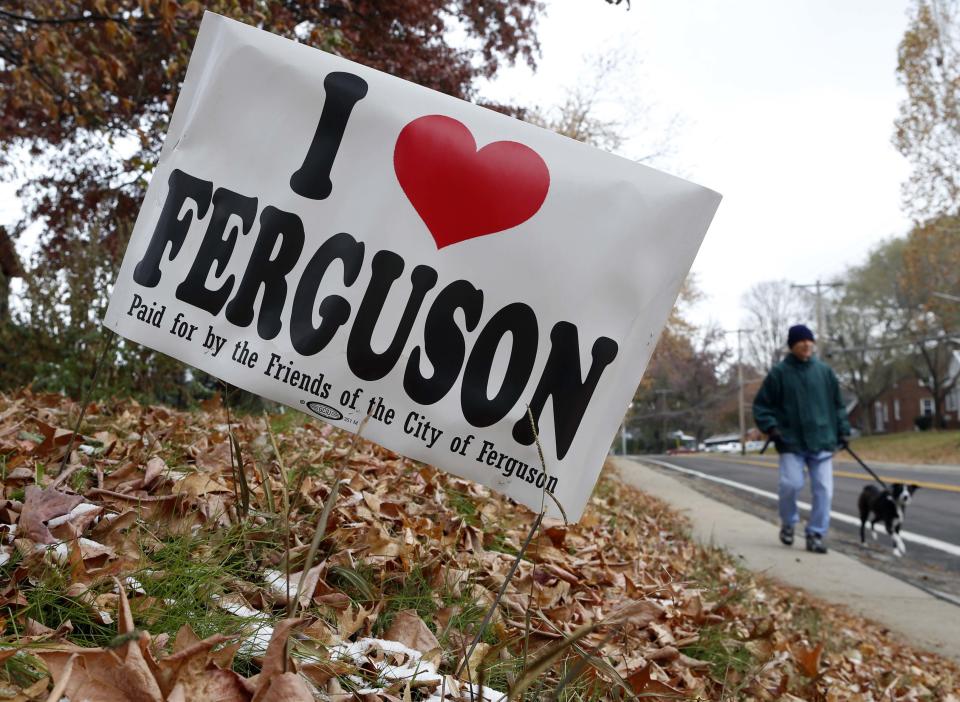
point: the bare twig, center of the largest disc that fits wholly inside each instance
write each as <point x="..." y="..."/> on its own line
<point x="577" y="668"/>
<point x="549" y="655"/>
<point x="64" y="474"/>
<point x="85" y="395"/>
<point x="291" y="607"/>
<point x="325" y="513"/>
<point x="134" y="498"/>
<point x="503" y="589"/>
<point x="286" y="511"/>
<point x="599" y="663"/>
<point x="240" y="476"/>
<point x="543" y="466"/>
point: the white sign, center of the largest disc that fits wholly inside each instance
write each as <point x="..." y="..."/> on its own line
<point x="348" y="243"/>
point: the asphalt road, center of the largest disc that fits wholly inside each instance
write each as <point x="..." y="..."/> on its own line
<point x="933" y="515"/>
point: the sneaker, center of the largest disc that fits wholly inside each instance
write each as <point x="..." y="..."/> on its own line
<point x="815" y="543"/>
<point x="786" y="535"/>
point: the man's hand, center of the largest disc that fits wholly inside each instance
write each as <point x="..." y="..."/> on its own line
<point x="843" y="441"/>
<point x="774" y="435"/>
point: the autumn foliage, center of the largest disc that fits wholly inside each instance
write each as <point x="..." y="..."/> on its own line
<point x="140" y="558"/>
<point x="87" y="88"/>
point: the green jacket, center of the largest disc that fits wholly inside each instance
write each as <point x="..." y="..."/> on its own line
<point x="802" y="401"/>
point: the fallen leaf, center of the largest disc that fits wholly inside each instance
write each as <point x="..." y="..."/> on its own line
<point x="214" y="685"/>
<point x="410" y="630"/>
<point x="274" y="664"/>
<point x="154" y="469"/>
<point x="197" y="484"/>
<point x="349" y="623"/>
<point x="808" y="658"/>
<point x="41" y="505"/>
<point x="643" y="683"/>
<point x="286" y="687"/>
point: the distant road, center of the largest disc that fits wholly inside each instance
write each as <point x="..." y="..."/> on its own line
<point x="933" y="517"/>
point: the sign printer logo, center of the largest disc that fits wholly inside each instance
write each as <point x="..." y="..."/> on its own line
<point x="325" y="411"/>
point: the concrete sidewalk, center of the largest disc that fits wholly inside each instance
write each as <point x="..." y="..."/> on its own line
<point x="923" y="619"/>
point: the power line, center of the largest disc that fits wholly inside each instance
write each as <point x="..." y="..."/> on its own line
<point x="896" y="344"/>
<point x="819" y="287"/>
<point x="741" y="407"/>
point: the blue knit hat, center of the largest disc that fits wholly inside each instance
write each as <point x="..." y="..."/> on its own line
<point x="797" y="333"/>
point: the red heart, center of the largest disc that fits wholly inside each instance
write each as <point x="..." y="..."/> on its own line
<point x="461" y="193"/>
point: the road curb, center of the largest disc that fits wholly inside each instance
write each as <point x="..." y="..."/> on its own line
<point x="920" y="617"/>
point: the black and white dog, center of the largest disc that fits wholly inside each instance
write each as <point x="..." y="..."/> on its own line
<point x="888" y="506"/>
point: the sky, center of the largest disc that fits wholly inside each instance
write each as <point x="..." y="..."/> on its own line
<point x="784" y="107"/>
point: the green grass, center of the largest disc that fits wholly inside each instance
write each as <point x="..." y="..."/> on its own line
<point x="465" y="506"/>
<point x="182" y="578"/>
<point x="724" y="653"/>
<point x="499" y="542"/>
<point x="358" y="582"/>
<point x="48" y="604"/>
<point x="730" y="660"/>
<point x="910" y="447"/>
<point x="410" y="592"/>
<point x="284" y="422"/>
<point x="22" y="670"/>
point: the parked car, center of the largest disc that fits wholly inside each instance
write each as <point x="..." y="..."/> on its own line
<point x="730" y="447"/>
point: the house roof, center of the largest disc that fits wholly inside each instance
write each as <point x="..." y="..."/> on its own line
<point x="721" y="439"/>
<point x="9" y="261"/>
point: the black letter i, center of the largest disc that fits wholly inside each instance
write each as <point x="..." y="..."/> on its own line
<point x="344" y="90"/>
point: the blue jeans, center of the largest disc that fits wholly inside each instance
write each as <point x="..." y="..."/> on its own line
<point x="820" y="466"/>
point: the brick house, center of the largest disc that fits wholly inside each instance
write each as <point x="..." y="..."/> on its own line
<point x="908" y="398"/>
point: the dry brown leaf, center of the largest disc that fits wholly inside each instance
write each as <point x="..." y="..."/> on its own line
<point x="320" y="672"/>
<point x="807" y="658"/>
<point x="189" y="665"/>
<point x="350" y="622"/>
<point x="154" y="469"/>
<point x="184" y="639"/>
<point x="197" y="484"/>
<point x="286" y="687"/>
<point x="643" y="683"/>
<point x="274" y="665"/>
<point x="214" y="685"/>
<point x="102" y="675"/>
<point x="36" y="692"/>
<point x="410" y="630"/>
<point x="41" y="505"/>
<point x="380" y="543"/>
<point x="475" y="660"/>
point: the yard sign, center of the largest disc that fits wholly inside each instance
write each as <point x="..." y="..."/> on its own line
<point x="348" y="243"/>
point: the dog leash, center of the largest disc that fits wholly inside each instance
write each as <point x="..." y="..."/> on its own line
<point x="866" y="467"/>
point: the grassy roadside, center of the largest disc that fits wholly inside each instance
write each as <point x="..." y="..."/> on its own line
<point x="620" y="606"/>
<point x="915" y="447"/>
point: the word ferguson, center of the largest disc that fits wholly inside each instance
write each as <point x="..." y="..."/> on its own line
<point x="277" y="250"/>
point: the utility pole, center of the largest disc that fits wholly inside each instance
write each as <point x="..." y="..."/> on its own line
<point x="821" y="327"/>
<point x="743" y="413"/>
<point x="623" y="431"/>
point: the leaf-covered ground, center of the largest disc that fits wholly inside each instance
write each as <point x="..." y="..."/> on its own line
<point x="147" y="569"/>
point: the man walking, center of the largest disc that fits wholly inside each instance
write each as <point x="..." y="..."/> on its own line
<point x="799" y="407"/>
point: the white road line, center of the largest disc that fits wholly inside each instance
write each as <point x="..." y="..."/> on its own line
<point x="952" y="549"/>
